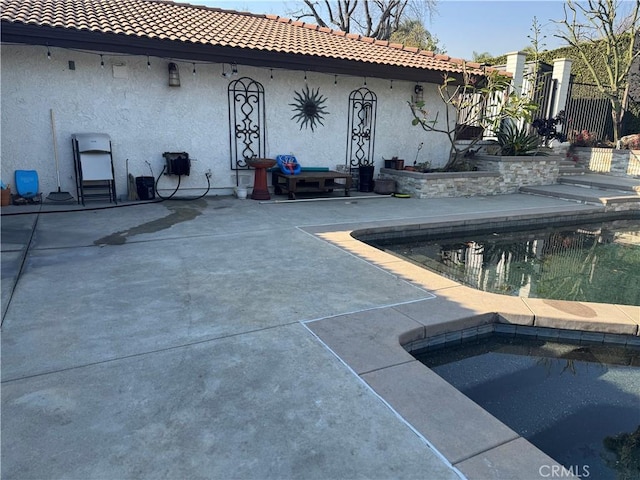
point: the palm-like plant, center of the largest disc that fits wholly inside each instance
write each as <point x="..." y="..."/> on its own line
<point x="516" y="141"/>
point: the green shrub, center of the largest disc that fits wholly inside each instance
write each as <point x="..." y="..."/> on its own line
<point x="515" y="141"/>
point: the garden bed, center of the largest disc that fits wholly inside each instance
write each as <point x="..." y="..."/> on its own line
<point x="612" y="161"/>
<point x="495" y="175"/>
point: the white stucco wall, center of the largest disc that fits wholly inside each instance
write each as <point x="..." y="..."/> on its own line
<point x="145" y="117"/>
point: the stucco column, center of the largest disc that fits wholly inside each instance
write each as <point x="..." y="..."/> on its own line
<point x="562" y="75"/>
<point x="515" y="66"/>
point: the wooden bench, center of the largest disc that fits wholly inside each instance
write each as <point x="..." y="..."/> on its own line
<point x="314" y="181"/>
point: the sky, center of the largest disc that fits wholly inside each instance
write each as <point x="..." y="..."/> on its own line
<point x="462" y="27"/>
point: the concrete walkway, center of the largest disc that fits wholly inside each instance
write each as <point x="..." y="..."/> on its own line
<point x="171" y="340"/>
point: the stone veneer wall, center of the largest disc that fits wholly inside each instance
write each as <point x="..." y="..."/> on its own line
<point x="449" y="184"/>
<point x="495" y="175"/>
<point x="615" y="162"/>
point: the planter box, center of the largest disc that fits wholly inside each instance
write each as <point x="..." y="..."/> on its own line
<point x="621" y="163"/>
<point x="520" y="171"/>
<point x="446" y="184"/>
<point x="394" y="164"/>
<point x="496" y="175"/>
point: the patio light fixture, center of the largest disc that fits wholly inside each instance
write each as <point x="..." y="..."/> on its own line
<point x="419" y="91"/>
<point x="174" y="75"/>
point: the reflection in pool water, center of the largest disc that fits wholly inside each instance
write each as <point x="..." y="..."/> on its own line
<point x="579" y="403"/>
<point x="596" y="263"/>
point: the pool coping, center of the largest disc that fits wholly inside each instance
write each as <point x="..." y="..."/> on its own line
<point x="373" y="344"/>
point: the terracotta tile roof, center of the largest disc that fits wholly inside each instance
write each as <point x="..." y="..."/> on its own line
<point x="159" y="19"/>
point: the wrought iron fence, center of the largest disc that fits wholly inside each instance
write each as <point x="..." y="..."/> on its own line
<point x="537" y="84"/>
<point x="587" y="109"/>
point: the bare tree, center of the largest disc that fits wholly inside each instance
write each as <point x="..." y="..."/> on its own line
<point x="371" y="18"/>
<point x="600" y="28"/>
<point x="478" y="105"/>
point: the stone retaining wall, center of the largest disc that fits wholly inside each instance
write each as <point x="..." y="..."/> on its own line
<point x="495" y="176"/>
<point x="620" y="163"/>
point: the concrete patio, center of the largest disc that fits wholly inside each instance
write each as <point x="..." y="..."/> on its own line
<point x="225" y="338"/>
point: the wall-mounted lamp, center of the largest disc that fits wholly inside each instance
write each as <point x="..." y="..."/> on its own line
<point x="174" y="75"/>
<point x="419" y="93"/>
<point x="234" y="69"/>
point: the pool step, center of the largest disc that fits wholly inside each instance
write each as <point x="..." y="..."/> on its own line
<point x="591" y="188"/>
<point x="608" y="182"/>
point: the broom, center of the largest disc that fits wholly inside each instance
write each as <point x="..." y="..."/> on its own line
<point x="58" y="196"/>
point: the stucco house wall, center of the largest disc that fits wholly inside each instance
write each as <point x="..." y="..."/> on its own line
<point x="145" y="117"/>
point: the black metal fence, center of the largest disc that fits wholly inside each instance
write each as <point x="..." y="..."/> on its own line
<point x="587" y="109"/>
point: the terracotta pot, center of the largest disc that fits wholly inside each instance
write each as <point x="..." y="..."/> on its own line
<point x="410" y="169"/>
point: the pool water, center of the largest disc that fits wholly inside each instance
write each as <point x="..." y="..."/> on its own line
<point x="595" y="263"/>
<point x="579" y="403"/>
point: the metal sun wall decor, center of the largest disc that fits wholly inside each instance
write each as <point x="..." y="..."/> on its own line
<point x="309" y="105"/>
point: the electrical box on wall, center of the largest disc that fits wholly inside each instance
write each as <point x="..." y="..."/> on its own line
<point x="178" y="163"/>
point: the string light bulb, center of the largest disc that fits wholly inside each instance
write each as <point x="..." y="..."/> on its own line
<point x="390" y="84"/>
<point x="148" y="62"/>
<point x="48" y="53"/>
<point x="365" y="81"/>
<point x="271" y="74"/>
<point x="335" y="79"/>
<point x="101" y="61"/>
<point x="305" y="76"/>
<point x="194" y="69"/>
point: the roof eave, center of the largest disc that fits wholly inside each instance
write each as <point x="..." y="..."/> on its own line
<point x="127" y="44"/>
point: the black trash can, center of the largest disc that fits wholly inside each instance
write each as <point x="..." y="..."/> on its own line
<point x="145" y="188"/>
<point x="365" y="178"/>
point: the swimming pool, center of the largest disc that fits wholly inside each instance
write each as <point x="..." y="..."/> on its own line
<point x="576" y="400"/>
<point x="591" y="262"/>
<point x="468" y="436"/>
